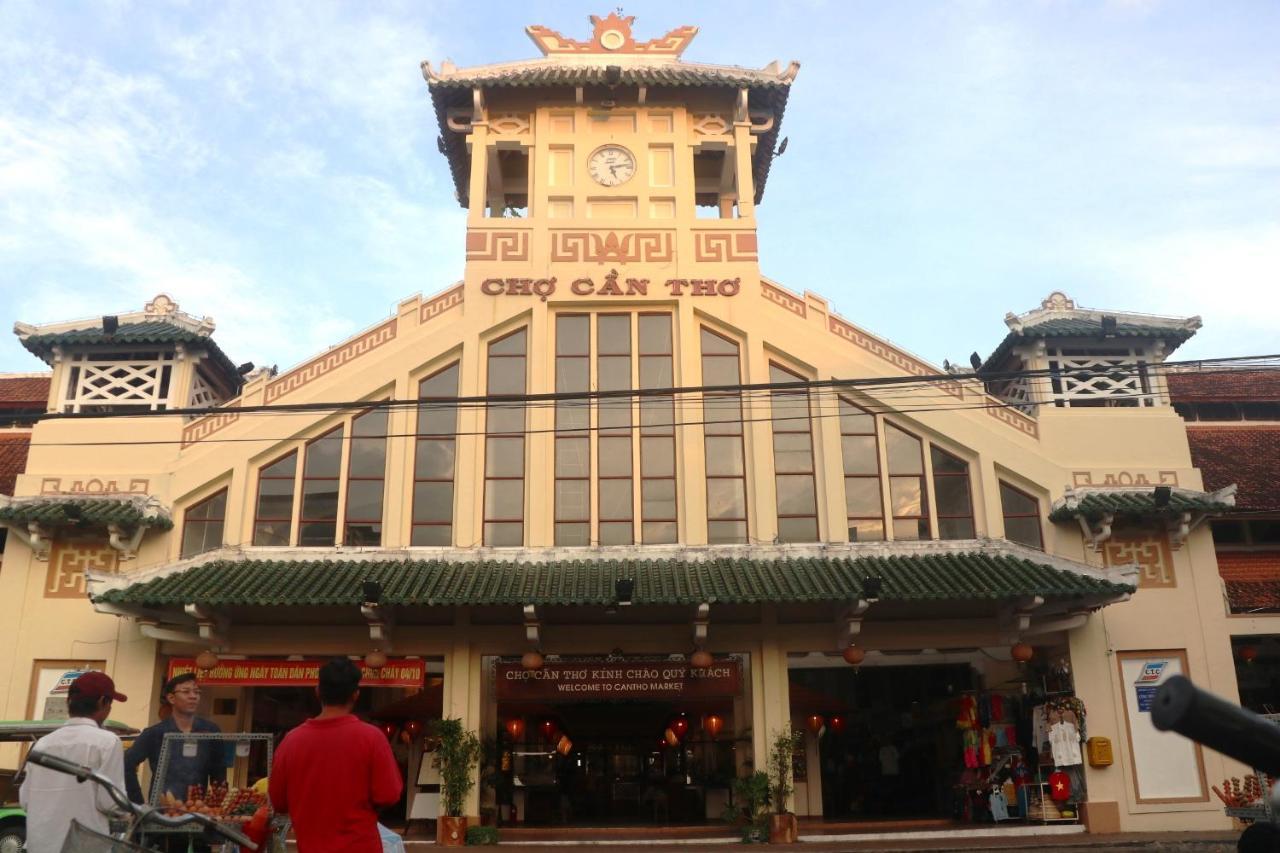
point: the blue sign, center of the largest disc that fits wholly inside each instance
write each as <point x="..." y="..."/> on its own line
<point x="1146" y="697"/>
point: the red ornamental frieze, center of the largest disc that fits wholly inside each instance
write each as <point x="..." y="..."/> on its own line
<point x="1124" y="478"/>
<point x="612" y="246"/>
<point x="486" y="244"/>
<point x="94" y="486"/>
<point x="1002" y="412"/>
<point x="780" y="297"/>
<point x="202" y="428"/>
<point x="891" y="354"/>
<point x="433" y="308"/>
<point x="336" y="357"/>
<point x="725" y="246"/>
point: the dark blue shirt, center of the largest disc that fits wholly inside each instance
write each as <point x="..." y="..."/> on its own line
<point x="208" y="765"/>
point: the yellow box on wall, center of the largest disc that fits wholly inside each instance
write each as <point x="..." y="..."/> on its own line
<point x="1099" y="749"/>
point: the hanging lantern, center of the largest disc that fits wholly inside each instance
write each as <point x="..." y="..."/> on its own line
<point x="1248" y="654"/>
<point x="713" y="724"/>
<point x="515" y="729"/>
<point x="670" y="738"/>
<point x="815" y="722"/>
<point x="414" y="728"/>
<point x="564" y="746"/>
<point x="680" y="725"/>
<point x="836" y="723"/>
<point x="388" y="729"/>
<point x="701" y="659"/>
<point x="1022" y="652"/>
<point x="531" y="660"/>
<point x="206" y="659"/>
<point x="376" y="659"/>
<point x="854" y="655"/>
<point x="548" y="728"/>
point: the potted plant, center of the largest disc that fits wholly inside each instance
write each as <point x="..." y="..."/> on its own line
<point x="783" y="828"/>
<point x="459" y="755"/>
<point x="750" y="809"/>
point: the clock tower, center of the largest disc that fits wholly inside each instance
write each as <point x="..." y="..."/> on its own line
<point x="610" y="167"/>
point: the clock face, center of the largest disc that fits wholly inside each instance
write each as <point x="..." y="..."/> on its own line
<point x="611" y="165"/>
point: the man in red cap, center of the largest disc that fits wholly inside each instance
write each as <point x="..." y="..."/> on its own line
<point x="52" y="799"/>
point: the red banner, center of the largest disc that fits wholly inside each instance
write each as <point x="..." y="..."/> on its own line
<point x="578" y="681"/>
<point x="399" y="672"/>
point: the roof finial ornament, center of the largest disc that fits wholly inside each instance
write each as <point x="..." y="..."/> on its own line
<point x="162" y="306"/>
<point x="611" y="34"/>
<point x="1058" y="301"/>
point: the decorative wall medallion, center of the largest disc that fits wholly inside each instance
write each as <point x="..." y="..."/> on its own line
<point x="510" y="124"/>
<point x="451" y="298"/>
<point x="612" y="246"/>
<point x="710" y="124"/>
<point x="1149" y="550"/>
<point x="484" y="244"/>
<point x="336" y="357"/>
<point x="68" y="561"/>
<point x="722" y="246"/>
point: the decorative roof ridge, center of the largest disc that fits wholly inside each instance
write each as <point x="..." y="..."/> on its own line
<point x="161" y="309"/>
<point x="39" y="374"/>
<point x="148" y="505"/>
<point x="1057" y="305"/>
<point x="103" y="582"/>
<point x="938" y="370"/>
<point x="1072" y="496"/>
<point x="448" y="72"/>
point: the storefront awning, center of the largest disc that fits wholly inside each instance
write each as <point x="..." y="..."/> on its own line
<point x="925" y="571"/>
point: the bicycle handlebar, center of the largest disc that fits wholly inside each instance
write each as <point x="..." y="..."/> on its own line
<point x="1182" y="707"/>
<point x="82" y="774"/>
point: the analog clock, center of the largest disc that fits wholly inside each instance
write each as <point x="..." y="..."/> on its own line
<point x="611" y="165"/>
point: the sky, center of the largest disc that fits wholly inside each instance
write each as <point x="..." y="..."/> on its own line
<point x="273" y="164"/>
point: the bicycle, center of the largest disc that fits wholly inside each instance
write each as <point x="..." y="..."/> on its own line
<point x="1236" y="732"/>
<point x="81" y="839"/>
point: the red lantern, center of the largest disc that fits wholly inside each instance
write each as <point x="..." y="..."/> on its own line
<point x="531" y="660"/>
<point x="701" y="659"/>
<point x="1248" y="654"/>
<point x="388" y="729"/>
<point x="836" y="723"/>
<point x="548" y="729"/>
<point x="414" y="728"/>
<point x="713" y="724"/>
<point x="854" y="655"/>
<point x="680" y="725"/>
<point x="670" y="738"/>
<point x="815" y="723"/>
<point x="206" y="659"/>
<point x="1022" y="652"/>
<point x="376" y="659"/>
<point x="564" y="746"/>
<point x="515" y="729"/>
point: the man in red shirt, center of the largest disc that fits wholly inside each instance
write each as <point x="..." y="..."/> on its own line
<point x="332" y="773"/>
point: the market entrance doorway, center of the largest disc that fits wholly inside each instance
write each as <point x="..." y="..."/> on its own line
<point x="888" y="746"/>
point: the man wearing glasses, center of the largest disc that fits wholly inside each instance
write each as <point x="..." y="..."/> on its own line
<point x="190" y="762"/>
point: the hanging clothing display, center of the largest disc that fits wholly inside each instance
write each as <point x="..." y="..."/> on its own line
<point x="1064" y="743"/>
<point x="999" y="806"/>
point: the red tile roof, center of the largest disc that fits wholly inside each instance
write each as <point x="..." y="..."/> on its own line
<point x="1252" y="579"/>
<point x="1247" y="456"/>
<point x="13" y="459"/>
<point x="1225" y="386"/>
<point x="24" y="392"/>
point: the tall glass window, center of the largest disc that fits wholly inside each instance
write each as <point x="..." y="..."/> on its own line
<point x="1021" y="516"/>
<point x="613" y="373"/>
<point x="907" y="497"/>
<point x="504" y="442"/>
<point x="793" y="460"/>
<point x="573" y="431"/>
<point x="202" y="525"/>
<point x="658" y="518"/>
<point x="722" y="427"/>
<point x="321" y="474"/>
<point x="435" y="459"/>
<point x="863" y="500"/>
<point x="951" y="494"/>
<point x="273" y="515"/>
<point x="366" y="476"/>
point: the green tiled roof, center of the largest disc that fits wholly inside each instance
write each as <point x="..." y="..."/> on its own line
<point x="87" y="512"/>
<point x="1087" y="323"/>
<point x="917" y="577"/>
<point x="148" y="333"/>
<point x="1139" y="503"/>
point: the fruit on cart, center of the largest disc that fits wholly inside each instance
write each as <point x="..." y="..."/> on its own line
<point x="221" y="802"/>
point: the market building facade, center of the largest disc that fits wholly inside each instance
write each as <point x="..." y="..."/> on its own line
<point x="629" y="508"/>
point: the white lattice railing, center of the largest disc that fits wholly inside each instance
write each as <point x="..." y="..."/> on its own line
<point x="1096" y="376"/>
<point x="1016" y="392"/>
<point x="203" y="395"/>
<point x="101" y="382"/>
